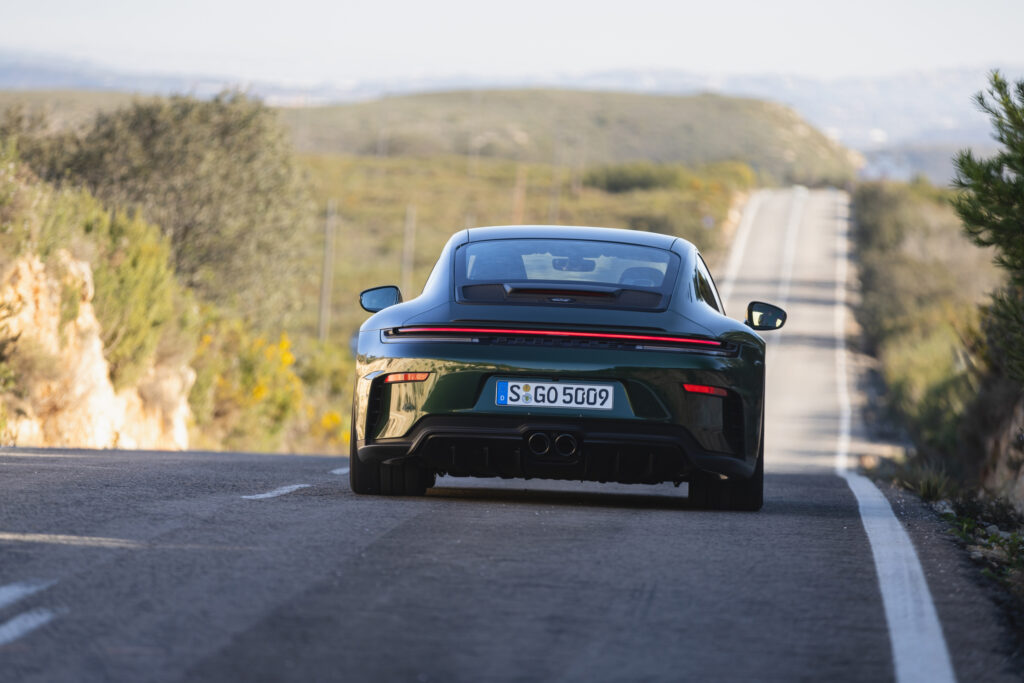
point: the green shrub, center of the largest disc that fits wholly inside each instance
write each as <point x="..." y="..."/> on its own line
<point x="8" y="344"/>
<point x="326" y="372"/>
<point x="326" y="369"/>
<point x="246" y="389"/>
<point x="928" y="480"/>
<point x="217" y="177"/>
<point x="135" y="291"/>
<point x="31" y="364"/>
<point x="638" y="175"/>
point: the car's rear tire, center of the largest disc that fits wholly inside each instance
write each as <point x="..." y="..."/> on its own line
<point x="711" y="492"/>
<point x="408" y="478"/>
<point x="363" y="478"/>
<point x="403" y="478"/>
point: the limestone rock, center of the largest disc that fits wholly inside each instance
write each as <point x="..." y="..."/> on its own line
<point x="66" y="397"/>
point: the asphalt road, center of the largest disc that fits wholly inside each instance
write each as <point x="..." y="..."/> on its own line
<point x="139" y="566"/>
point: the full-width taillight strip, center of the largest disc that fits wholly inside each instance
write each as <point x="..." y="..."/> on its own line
<point x="557" y="333"/>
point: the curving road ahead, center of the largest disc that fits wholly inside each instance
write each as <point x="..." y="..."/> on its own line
<point x="122" y="566"/>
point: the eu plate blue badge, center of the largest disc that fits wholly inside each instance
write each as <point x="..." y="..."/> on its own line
<point x="502" y="399"/>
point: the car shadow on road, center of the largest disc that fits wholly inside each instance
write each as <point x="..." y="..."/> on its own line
<point x="785" y="495"/>
<point x="610" y="499"/>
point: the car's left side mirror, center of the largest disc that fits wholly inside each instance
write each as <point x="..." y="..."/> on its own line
<point x="762" y="316"/>
<point x="379" y="298"/>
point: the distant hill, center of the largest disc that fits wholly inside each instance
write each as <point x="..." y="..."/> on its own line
<point x="927" y="111"/>
<point x="575" y="128"/>
<point x="29" y="71"/>
<point x="923" y="107"/>
<point x="904" y="162"/>
<point x="561" y="127"/>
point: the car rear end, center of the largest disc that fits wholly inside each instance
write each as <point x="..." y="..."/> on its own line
<point x="563" y="358"/>
<point x="554" y="403"/>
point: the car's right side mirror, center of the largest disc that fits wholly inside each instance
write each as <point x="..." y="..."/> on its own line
<point x="762" y="316"/>
<point x="379" y="298"/>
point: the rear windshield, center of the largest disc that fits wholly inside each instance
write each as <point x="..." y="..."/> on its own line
<point x="565" y="271"/>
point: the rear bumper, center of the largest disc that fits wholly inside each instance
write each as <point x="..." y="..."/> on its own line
<point x="625" y="451"/>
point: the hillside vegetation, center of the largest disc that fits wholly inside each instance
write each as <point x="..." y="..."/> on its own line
<point x="251" y="389"/>
<point x="185" y="182"/>
<point x="921" y="283"/>
<point x="574" y="129"/>
<point x="218" y="177"/>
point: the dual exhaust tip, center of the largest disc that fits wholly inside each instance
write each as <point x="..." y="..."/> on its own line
<point x="564" y="445"/>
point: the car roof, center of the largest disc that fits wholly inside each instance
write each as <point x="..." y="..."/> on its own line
<point x="505" y="232"/>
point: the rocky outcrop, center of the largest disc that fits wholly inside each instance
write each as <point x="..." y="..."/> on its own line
<point x="61" y="393"/>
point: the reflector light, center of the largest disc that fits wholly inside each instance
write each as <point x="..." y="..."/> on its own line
<point x="704" y="389"/>
<point x="559" y="333"/>
<point x="396" y="377"/>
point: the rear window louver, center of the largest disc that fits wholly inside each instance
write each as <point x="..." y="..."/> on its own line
<point x="533" y="295"/>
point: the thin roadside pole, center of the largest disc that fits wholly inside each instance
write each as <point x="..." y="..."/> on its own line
<point x="519" y="195"/>
<point x="327" y="274"/>
<point x="408" y="249"/>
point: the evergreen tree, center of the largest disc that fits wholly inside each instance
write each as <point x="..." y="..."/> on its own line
<point x="991" y="206"/>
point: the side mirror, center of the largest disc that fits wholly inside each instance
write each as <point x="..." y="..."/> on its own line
<point x="762" y="316"/>
<point x="379" y="298"/>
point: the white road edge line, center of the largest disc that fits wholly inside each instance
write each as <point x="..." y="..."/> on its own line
<point x="277" y="492"/>
<point x="25" y="623"/>
<point x="340" y="470"/>
<point x="918" y="647"/>
<point x="739" y="245"/>
<point x="13" y="592"/>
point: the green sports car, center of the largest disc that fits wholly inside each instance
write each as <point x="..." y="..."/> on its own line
<point x="558" y="352"/>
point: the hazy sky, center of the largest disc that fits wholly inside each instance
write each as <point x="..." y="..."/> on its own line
<point x="338" y="41"/>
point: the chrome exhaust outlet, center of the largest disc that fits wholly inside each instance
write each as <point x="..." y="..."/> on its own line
<point x="565" y="445"/>
<point x="539" y="443"/>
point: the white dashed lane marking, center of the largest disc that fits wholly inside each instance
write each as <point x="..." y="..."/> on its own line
<point x="277" y="492"/>
<point x="14" y="592"/>
<point x="340" y="470"/>
<point x="26" y="622"/>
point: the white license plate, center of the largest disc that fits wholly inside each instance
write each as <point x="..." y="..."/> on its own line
<point x="555" y="395"/>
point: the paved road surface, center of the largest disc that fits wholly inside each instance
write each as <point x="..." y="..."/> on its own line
<point x="211" y="567"/>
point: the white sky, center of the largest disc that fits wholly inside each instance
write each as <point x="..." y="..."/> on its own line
<point x="339" y="41"/>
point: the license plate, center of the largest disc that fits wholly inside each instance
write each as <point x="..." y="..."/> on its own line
<point x="555" y="395"/>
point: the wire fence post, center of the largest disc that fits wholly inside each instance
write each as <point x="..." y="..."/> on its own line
<point x="408" y="249"/>
<point x="519" y="195"/>
<point x="327" y="274"/>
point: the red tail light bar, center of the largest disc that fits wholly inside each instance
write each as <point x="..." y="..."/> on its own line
<point x="610" y="336"/>
<point x="704" y="389"/>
